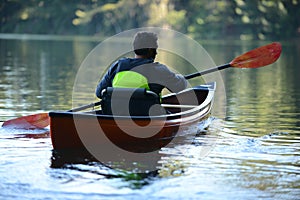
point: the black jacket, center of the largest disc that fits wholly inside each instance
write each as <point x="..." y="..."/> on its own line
<point x="158" y="75"/>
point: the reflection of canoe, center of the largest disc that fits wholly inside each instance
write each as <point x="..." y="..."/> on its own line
<point x="136" y="133"/>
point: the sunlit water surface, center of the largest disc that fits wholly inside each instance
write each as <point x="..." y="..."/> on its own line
<point x="254" y="153"/>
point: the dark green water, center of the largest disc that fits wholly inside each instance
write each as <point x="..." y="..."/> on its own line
<point x="254" y="152"/>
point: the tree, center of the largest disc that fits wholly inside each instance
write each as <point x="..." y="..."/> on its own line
<point x="205" y="19"/>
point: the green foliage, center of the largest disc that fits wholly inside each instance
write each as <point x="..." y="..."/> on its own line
<point x="205" y="19"/>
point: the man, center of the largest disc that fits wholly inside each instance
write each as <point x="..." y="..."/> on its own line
<point x="142" y="71"/>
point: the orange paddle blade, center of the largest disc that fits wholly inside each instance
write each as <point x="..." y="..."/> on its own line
<point x="40" y="120"/>
<point x="258" y="57"/>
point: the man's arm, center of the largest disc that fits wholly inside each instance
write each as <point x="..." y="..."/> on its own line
<point x="172" y="81"/>
<point x="106" y="81"/>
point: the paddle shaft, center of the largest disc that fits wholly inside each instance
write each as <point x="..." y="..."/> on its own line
<point x="186" y="76"/>
<point x="207" y="71"/>
<point x="85" y="107"/>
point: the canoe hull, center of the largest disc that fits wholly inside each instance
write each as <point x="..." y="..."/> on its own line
<point x="135" y="134"/>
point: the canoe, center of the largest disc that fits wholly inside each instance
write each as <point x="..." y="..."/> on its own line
<point x="92" y="129"/>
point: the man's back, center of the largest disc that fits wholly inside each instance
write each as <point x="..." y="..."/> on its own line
<point x="158" y="76"/>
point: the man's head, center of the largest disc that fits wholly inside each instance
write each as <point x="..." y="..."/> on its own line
<point x="145" y="44"/>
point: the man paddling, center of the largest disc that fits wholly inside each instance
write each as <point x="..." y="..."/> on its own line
<point x="141" y="71"/>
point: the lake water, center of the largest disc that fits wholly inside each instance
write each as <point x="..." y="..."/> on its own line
<point x="254" y="149"/>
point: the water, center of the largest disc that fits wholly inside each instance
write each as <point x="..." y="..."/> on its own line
<point x="254" y="153"/>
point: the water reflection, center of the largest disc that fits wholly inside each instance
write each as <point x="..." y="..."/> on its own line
<point x="83" y="162"/>
<point x="263" y="100"/>
<point x="38" y="75"/>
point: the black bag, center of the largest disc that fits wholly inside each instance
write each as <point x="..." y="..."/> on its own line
<point x="130" y="101"/>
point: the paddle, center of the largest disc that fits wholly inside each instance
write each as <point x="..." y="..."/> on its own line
<point x="39" y="120"/>
<point x="255" y="58"/>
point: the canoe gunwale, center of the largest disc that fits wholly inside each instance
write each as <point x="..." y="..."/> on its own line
<point x="208" y="100"/>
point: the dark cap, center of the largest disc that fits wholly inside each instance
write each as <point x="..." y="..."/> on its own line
<point x="145" y="40"/>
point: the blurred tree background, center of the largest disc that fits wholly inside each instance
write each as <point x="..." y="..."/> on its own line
<point x="201" y="19"/>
